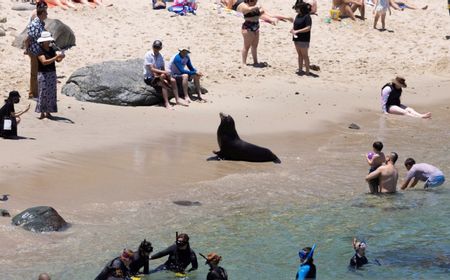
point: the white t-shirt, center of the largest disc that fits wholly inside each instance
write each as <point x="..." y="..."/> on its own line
<point x="150" y="59"/>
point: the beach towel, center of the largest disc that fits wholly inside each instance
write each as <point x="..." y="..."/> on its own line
<point x="183" y="7"/>
<point x="159" y="4"/>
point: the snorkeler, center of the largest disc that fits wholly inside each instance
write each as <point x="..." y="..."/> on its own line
<point x="307" y="269"/>
<point x="359" y="259"/>
<point x="216" y="272"/>
<point x="180" y="256"/>
<point x="117" y="268"/>
<point x="141" y="258"/>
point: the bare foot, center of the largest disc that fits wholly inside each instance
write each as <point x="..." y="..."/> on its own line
<point x="426" y="116"/>
<point x="187" y="100"/>
<point x="169" y="107"/>
<point x="42" y="116"/>
<point x="202" y="100"/>
<point x="182" y="103"/>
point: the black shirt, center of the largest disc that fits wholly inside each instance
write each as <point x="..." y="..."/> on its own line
<point x="357" y="261"/>
<point x="138" y="262"/>
<point x="5" y="112"/>
<point x="50" y="67"/>
<point x="300" y="22"/>
<point x="114" y="270"/>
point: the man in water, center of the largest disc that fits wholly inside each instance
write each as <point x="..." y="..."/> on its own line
<point x="432" y="176"/>
<point x="180" y="256"/>
<point x="387" y="174"/>
<point x="216" y="272"/>
<point x="117" y="268"/>
<point x="141" y="258"/>
<point x="359" y="259"/>
<point x="44" y="276"/>
<point x="307" y="269"/>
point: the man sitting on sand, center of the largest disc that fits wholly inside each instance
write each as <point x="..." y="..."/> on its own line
<point x="348" y="8"/>
<point x="387" y="174"/>
<point x="432" y="176"/>
<point x="390" y="100"/>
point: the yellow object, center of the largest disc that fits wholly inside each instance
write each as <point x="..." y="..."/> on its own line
<point x="179" y="274"/>
<point x="136" y="278"/>
<point x="335" y="14"/>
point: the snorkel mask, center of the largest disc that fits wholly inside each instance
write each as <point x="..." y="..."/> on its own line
<point x="305" y="256"/>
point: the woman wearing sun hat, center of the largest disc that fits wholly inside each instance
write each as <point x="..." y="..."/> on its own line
<point x="46" y="103"/>
<point x="390" y="100"/>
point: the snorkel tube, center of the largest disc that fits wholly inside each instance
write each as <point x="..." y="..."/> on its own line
<point x="309" y="256"/>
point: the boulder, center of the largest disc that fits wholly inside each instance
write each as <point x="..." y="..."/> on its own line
<point x="113" y="82"/>
<point x="23" y="7"/>
<point x="63" y="34"/>
<point x="40" y="219"/>
<point x="3" y="19"/>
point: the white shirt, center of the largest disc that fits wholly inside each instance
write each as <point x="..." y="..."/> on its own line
<point x="156" y="61"/>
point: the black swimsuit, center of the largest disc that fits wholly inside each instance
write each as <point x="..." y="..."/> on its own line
<point x="235" y="6"/>
<point x="251" y="25"/>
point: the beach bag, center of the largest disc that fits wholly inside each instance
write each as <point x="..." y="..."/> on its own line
<point x="335" y="14"/>
<point x="183" y="7"/>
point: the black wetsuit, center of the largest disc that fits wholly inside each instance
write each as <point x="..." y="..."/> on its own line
<point x="357" y="261"/>
<point x="178" y="259"/>
<point x="5" y="113"/>
<point x="394" y="96"/>
<point x="115" y="270"/>
<point x="139" y="261"/>
<point x="217" y="273"/>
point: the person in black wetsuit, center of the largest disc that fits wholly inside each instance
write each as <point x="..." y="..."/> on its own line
<point x="390" y="100"/>
<point x="180" y="256"/>
<point x="9" y="118"/>
<point x="118" y="268"/>
<point x="359" y="259"/>
<point x="141" y="258"/>
<point x="215" y="271"/>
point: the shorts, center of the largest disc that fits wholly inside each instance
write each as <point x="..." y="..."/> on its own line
<point x="153" y="83"/>
<point x="300" y="44"/>
<point x="434" y="181"/>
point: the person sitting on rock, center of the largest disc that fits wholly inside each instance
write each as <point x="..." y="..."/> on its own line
<point x="141" y="258"/>
<point x="178" y="65"/>
<point x="118" y="268"/>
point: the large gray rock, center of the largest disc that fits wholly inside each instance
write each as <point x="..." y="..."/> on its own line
<point x="40" y="219"/>
<point x="62" y="33"/>
<point x="113" y="82"/>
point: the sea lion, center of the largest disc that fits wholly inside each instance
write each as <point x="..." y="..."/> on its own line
<point x="232" y="147"/>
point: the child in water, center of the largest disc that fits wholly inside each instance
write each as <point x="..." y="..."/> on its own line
<point x="359" y="259"/>
<point x="375" y="159"/>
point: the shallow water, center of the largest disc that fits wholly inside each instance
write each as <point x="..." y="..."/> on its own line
<point x="256" y="216"/>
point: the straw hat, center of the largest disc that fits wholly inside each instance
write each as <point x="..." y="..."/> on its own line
<point x="45" y="37"/>
<point x="399" y="81"/>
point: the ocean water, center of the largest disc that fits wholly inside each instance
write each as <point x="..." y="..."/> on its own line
<point x="257" y="216"/>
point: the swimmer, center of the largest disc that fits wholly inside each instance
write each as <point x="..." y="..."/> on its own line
<point x="432" y="176"/>
<point x="307" y="269"/>
<point x="216" y="272"/>
<point x="387" y="175"/>
<point x="141" y="258"/>
<point x="118" y="268"/>
<point x="44" y="276"/>
<point x="359" y="259"/>
<point x="375" y="159"/>
<point x="180" y="256"/>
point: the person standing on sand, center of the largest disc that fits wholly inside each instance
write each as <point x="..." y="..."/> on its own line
<point x="432" y="176"/>
<point x="34" y="30"/>
<point x="381" y="7"/>
<point x="47" y="78"/>
<point x="375" y="159"/>
<point x="390" y="100"/>
<point x="301" y="32"/>
<point x="387" y="174"/>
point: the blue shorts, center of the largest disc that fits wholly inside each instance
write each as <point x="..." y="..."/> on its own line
<point x="434" y="181"/>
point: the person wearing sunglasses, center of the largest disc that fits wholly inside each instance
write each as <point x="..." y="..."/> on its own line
<point x="180" y="256"/>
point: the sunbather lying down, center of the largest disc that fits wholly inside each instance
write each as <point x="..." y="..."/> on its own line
<point x="159" y="4"/>
<point x="242" y="6"/>
<point x="65" y="4"/>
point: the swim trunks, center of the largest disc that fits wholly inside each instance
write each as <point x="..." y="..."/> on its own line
<point x="434" y="181"/>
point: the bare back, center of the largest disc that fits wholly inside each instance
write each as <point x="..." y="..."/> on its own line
<point x="388" y="178"/>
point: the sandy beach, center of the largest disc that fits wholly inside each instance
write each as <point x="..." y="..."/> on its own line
<point x="271" y="106"/>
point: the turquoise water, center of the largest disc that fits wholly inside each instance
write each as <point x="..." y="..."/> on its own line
<point x="258" y="216"/>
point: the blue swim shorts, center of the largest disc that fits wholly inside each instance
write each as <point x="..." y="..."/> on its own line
<point x="434" y="181"/>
